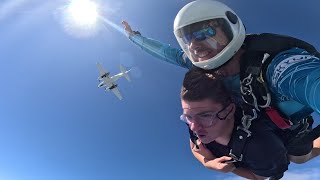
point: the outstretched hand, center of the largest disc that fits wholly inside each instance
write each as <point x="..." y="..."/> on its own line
<point x="127" y="27"/>
<point x="205" y="156"/>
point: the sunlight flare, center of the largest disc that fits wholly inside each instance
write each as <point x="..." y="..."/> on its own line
<point x="80" y="18"/>
<point x="86" y="18"/>
<point x="83" y="12"/>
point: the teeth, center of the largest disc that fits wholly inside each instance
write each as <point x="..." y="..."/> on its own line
<point x="202" y="54"/>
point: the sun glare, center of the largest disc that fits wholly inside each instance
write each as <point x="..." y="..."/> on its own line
<point x="83" y="12"/>
<point x="80" y="18"/>
<point x="85" y="18"/>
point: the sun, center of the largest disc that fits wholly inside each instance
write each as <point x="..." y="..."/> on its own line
<point x="83" y="12"/>
<point x="80" y="18"/>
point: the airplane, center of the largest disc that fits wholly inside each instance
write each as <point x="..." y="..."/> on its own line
<point x="109" y="82"/>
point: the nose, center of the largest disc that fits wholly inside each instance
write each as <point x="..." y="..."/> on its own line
<point x="194" y="44"/>
<point x="195" y="126"/>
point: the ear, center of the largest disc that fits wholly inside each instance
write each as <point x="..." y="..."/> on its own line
<point x="233" y="107"/>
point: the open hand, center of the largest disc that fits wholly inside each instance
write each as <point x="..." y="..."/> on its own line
<point x="127" y="27"/>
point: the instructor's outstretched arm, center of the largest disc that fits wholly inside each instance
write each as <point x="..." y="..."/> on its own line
<point x="157" y="49"/>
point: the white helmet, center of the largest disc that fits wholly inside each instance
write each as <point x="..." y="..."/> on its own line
<point x="209" y="33"/>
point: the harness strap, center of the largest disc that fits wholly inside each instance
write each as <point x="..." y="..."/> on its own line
<point x="277" y="119"/>
<point x="239" y="141"/>
<point x="193" y="137"/>
<point x="241" y="135"/>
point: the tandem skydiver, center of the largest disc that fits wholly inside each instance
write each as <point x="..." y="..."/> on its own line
<point x="214" y="123"/>
<point x="275" y="74"/>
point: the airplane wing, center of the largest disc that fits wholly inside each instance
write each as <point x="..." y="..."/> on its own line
<point x="101" y="70"/>
<point x="117" y="93"/>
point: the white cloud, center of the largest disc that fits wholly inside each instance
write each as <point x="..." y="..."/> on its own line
<point x="297" y="174"/>
<point x="303" y="174"/>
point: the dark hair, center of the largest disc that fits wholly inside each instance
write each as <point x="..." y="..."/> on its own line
<point x="200" y="84"/>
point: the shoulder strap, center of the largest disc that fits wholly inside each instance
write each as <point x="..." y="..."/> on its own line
<point x="193" y="137"/>
<point x="275" y="43"/>
<point x="238" y="143"/>
<point x="242" y="133"/>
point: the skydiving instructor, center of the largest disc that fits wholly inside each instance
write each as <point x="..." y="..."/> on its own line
<point x="276" y="74"/>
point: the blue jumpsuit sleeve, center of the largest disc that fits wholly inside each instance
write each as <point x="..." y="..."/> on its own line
<point x="162" y="51"/>
<point x="295" y="75"/>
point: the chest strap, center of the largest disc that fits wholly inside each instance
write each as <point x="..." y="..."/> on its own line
<point x="240" y="136"/>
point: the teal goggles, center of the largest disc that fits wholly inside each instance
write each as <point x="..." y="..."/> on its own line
<point x="200" y="35"/>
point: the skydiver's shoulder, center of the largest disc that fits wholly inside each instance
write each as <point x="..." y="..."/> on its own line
<point x="265" y="152"/>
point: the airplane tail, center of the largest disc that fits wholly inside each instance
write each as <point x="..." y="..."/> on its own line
<point x="125" y="72"/>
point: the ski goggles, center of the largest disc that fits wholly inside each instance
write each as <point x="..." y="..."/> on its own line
<point x="199" y="35"/>
<point x="205" y="119"/>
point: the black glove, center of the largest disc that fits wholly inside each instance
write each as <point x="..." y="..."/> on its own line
<point x="303" y="142"/>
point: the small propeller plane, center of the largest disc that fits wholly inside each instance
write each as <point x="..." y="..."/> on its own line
<point x="109" y="82"/>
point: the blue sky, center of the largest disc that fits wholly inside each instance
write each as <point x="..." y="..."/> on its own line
<point x="56" y="124"/>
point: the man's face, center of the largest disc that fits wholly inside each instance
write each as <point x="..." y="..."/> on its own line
<point x="202" y="110"/>
<point x="204" y="49"/>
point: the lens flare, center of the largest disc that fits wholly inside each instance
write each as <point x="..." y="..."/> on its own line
<point x="86" y="18"/>
<point x="80" y="18"/>
<point x="83" y="12"/>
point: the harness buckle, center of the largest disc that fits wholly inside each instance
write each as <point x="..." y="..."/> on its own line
<point x="235" y="157"/>
<point x="244" y="130"/>
<point x="246" y="119"/>
<point x="246" y="91"/>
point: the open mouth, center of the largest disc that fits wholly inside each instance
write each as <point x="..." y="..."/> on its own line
<point x="201" y="136"/>
<point x="203" y="55"/>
